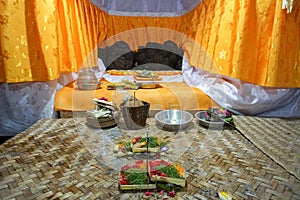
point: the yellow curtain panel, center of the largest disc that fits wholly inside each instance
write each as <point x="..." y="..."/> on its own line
<point x="254" y="41"/>
<point x="41" y="39"/>
<point x="29" y="46"/>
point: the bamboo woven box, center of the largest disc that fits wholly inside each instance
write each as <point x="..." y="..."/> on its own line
<point x="135" y="177"/>
<point x="163" y="171"/>
<point x="139" y="144"/>
<point x="135" y="113"/>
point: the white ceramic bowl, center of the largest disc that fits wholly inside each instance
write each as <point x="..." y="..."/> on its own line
<point x="173" y="120"/>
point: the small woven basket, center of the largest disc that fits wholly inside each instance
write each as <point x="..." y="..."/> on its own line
<point x="135" y="117"/>
<point x="103" y="122"/>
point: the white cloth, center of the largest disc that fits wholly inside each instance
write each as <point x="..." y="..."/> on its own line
<point x="244" y="98"/>
<point x="288" y="5"/>
<point x="146" y="7"/>
<point x="115" y="79"/>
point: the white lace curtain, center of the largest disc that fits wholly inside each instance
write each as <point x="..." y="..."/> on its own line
<point x="146" y="7"/>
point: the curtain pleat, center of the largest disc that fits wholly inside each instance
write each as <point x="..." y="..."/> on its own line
<point x="81" y="28"/>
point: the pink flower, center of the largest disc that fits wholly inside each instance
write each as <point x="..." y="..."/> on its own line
<point x="172" y="193"/>
<point x="219" y="111"/>
<point x="103" y="98"/>
<point x="148" y="193"/>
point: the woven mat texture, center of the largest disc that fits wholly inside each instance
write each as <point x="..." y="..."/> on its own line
<point x="65" y="159"/>
<point x="277" y="138"/>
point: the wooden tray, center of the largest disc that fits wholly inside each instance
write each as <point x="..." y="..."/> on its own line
<point x="137" y="187"/>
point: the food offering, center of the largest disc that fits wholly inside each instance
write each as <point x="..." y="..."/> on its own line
<point x="104" y="115"/>
<point x="145" y="75"/>
<point x="114" y="72"/>
<point x="160" y="176"/>
<point x="139" y="145"/>
<point x="125" y="85"/>
<point x="135" y="177"/>
<point x="215" y="117"/>
<point x="149" y="86"/>
<point x="216" y="114"/>
<point x="164" y="171"/>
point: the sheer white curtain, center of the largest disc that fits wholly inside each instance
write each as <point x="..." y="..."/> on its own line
<point x="146" y="7"/>
<point x="22" y="104"/>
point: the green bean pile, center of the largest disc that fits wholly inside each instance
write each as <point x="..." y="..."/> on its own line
<point x="170" y="171"/>
<point x="152" y="142"/>
<point x="136" y="176"/>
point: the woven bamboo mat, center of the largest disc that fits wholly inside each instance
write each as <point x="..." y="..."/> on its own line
<point x="61" y="159"/>
<point x="277" y="138"/>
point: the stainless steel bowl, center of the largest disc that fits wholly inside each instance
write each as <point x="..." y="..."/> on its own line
<point x="173" y="120"/>
<point x="209" y="124"/>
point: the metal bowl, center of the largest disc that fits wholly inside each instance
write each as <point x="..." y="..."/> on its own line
<point x="173" y="120"/>
<point x="209" y="124"/>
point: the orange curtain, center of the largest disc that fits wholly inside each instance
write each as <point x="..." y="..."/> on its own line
<point x="41" y="39"/>
<point x="29" y="48"/>
<point x="254" y="41"/>
<point x="81" y="28"/>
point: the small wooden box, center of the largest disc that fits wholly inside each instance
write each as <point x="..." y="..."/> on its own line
<point x="137" y="187"/>
<point x="177" y="181"/>
<point x="142" y="150"/>
<point x="156" y="178"/>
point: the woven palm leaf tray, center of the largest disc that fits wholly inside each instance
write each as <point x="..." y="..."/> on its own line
<point x="65" y="159"/>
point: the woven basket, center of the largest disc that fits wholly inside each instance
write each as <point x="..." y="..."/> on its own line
<point x="135" y="117"/>
<point x="103" y="122"/>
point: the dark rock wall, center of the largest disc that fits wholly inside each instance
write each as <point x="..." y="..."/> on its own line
<point x="153" y="56"/>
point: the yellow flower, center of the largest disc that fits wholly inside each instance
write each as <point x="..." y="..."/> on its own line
<point x="179" y="168"/>
<point x="224" y="196"/>
<point x="143" y="165"/>
<point x="142" y="144"/>
<point x="120" y="146"/>
<point x="133" y="141"/>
